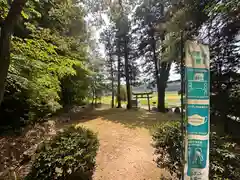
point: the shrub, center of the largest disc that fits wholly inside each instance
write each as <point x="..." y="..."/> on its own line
<point x="167" y="144"/>
<point x="71" y="154"/>
<point x="224" y="160"/>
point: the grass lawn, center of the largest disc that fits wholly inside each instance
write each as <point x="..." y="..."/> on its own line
<point x="171" y="98"/>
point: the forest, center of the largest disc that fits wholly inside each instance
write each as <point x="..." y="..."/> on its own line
<point x="60" y="54"/>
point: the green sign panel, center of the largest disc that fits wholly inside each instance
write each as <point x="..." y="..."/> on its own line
<point x="197" y="111"/>
<point x="197" y="83"/>
<point x="197" y="155"/>
<point x="198" y="115"/>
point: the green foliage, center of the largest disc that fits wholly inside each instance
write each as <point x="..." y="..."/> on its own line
<point x="225" y="77"/>
<point x="75" y="88"/>
<point x="44" y="68"/>
<point x="97" y="85"/>
<point x="215" y="23"/>
<point x="48" y="67"/>
<point x="3" y="9"/>
<point x="71" y="154"/>
<point x="167" y="144"/>
<point x="224" y="159"/>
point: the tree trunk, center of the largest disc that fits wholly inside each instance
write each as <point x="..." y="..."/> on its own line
<point x="157" y="78"/>
<point x="161" y="75"/>
<point x="157" y="81"/>
<point x="129" y="102"/>
<point x="112" y="95"/>
<point x="95" y="101"/>
<point x="5" y="39"/>
<point x="4" y="59"/>
<point x="93" y="96"/>
<point x="119" y="77"/>
<point x="164" y="74"/>
<point x="112" y="79"/>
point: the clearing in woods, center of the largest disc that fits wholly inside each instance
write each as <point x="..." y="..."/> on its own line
<point x="171" y="99"/>
<point x="125" y="151"/>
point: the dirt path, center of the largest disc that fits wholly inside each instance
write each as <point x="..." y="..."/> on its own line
<point x="124" y="153"/>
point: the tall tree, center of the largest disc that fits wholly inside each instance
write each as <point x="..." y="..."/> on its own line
<point x="118" y="13"/>
<point x="7" y="27"/>
<point x="48" y="60"/>
<point x="148" y="15"/>
<point x="122" y="26"/>
<point x="123" y="30"/>
<point x="129" y="93"/>
<point x="107" y="37"/>
<point x="118" y="74"/>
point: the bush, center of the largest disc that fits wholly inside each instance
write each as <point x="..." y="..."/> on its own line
<point x="167" y="144"/>
<point x="224" y="160"/>
<point x="70" y="155"/>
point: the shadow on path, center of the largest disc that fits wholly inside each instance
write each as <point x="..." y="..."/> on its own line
<point x="130" y="118"/>
<point x="125" y="144"/>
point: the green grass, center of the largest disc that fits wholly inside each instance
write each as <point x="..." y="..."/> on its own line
<point x="171" y="98"/>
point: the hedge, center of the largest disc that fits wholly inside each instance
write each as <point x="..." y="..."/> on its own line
<point x="224" y="159"/>
<point x="70" y="155"/>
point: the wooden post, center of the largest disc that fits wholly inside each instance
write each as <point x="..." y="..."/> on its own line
<point x="148" y="102"/>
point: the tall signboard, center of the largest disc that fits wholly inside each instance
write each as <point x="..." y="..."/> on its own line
<point x="197" y="78"/>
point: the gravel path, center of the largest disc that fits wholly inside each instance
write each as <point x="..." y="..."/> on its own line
<point x="124" y="153"/>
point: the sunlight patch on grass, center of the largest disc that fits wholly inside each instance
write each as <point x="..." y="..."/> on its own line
<point x="170" y="98"/>
<point x="134" y="118"/>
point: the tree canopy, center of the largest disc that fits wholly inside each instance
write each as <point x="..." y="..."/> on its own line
<point x="63" y="52"/>
<point x="48" y="68"/>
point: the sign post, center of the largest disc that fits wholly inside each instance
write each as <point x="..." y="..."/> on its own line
<point x="197" y="77"/>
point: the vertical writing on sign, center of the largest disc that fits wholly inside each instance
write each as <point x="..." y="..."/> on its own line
<point x="197" y="111"/>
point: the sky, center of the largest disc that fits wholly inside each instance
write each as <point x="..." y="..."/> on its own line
<point x="173" y="75"/>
